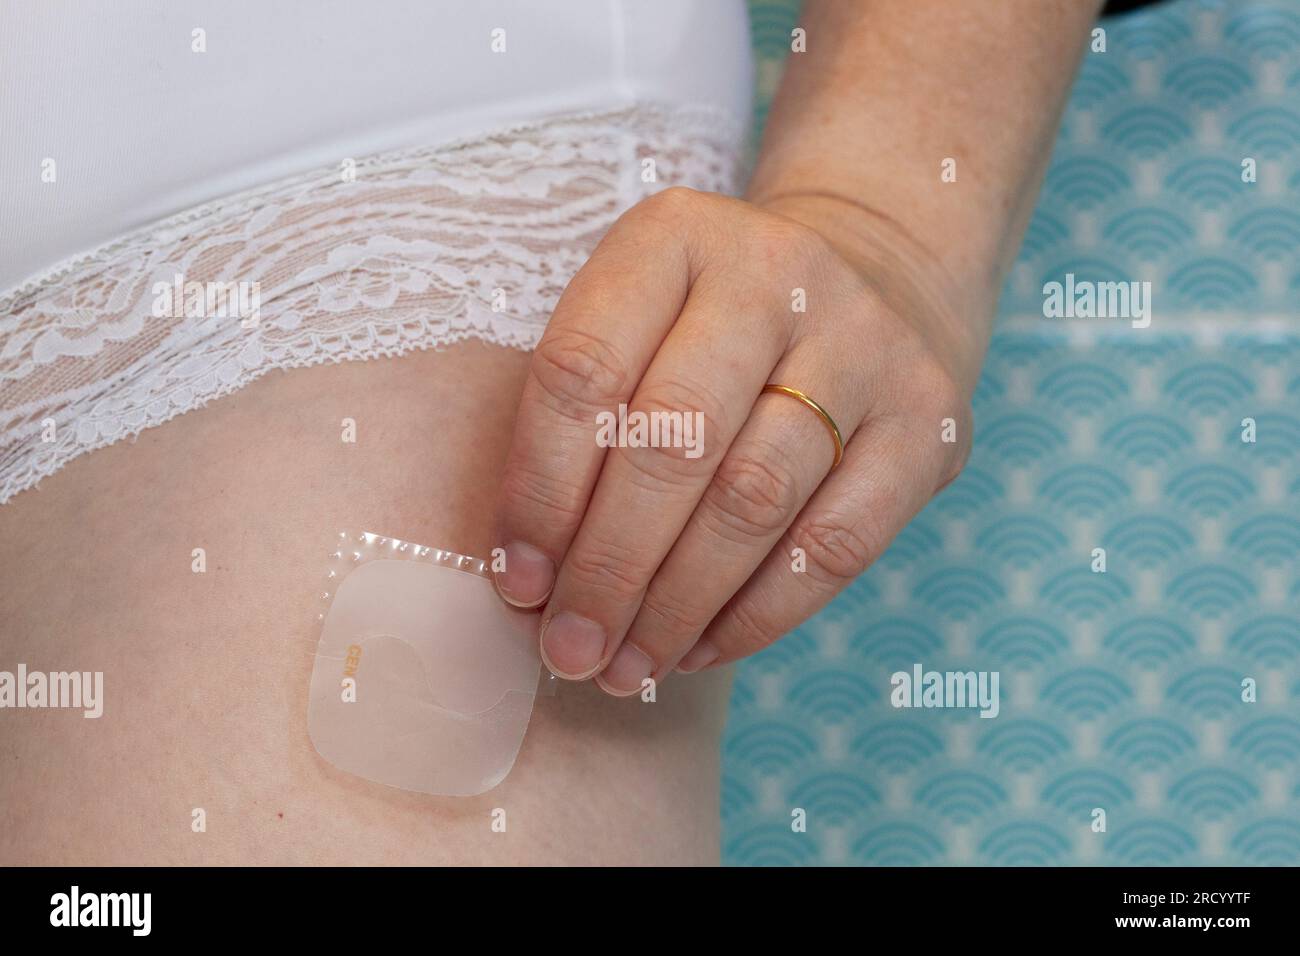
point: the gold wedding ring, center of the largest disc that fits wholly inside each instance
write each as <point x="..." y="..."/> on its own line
<point x="811" y="403"/>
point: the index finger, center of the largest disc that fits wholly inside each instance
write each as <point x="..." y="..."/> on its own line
<point x="606" y="328"/>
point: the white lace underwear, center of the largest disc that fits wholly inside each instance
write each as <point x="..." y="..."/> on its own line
<point x="417" y="250"/>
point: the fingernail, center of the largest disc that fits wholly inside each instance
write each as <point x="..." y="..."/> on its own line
<point x="625" y="672"/>
<point x="572" y="646"/>
<point x="528" y="576"/>
<point x="701" y="655"/>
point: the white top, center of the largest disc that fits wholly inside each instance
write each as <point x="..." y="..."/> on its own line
<point x="140" y="125"/>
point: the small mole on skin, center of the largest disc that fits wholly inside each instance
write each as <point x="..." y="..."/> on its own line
<point x="280" y="814"/>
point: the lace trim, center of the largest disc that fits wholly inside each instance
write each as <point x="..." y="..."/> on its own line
<point x="419" y="249"/>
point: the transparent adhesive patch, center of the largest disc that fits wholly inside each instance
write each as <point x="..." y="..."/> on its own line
<point x="424" y="679"/>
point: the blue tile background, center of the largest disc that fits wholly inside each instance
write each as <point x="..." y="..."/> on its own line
<point x="1119" y="690"/>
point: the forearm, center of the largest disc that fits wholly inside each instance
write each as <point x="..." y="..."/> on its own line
<point x="889" y="90"/>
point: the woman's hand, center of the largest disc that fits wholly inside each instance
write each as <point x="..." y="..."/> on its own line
<point x="899" y="165"/>
<point x="654" y="558"/>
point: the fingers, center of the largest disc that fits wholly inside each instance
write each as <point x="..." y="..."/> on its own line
<point x="776" y="463"/>
<point x="891" y="469"/>
<point x="699" y="388"/>
<point x="604" y="332"/>
<point x="711" y="548"/>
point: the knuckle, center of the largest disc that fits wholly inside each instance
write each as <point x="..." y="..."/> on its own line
<point x="770" y="253"/>
<point x="678" y="395"/>
<point x="935" y="396"/>
<point x="579" y="371"/>
<point x="934" y="389"/>
<point x="540" y="499"/>
<point x="607" y="568"/>
<point x="786" y="247"/>
<point x="779" y="257"/>
<point x="681" y="419"/>
<point x="837" y="550"/>
<point x="753" y="494"/>
<point x="747" y="633"/>
<point x="664" y="219"/>
<point x="954" y="470"/>
<point x="680" y="215"/>
<point x="807" y="244"/>
<point x="675" y="200"/>
<point x="678" y="619"/>
<point x="955" y="462"/>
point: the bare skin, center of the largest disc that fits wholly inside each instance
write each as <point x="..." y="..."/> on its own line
<point x="206" y="674"/>
<point x="675" y="567"/>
